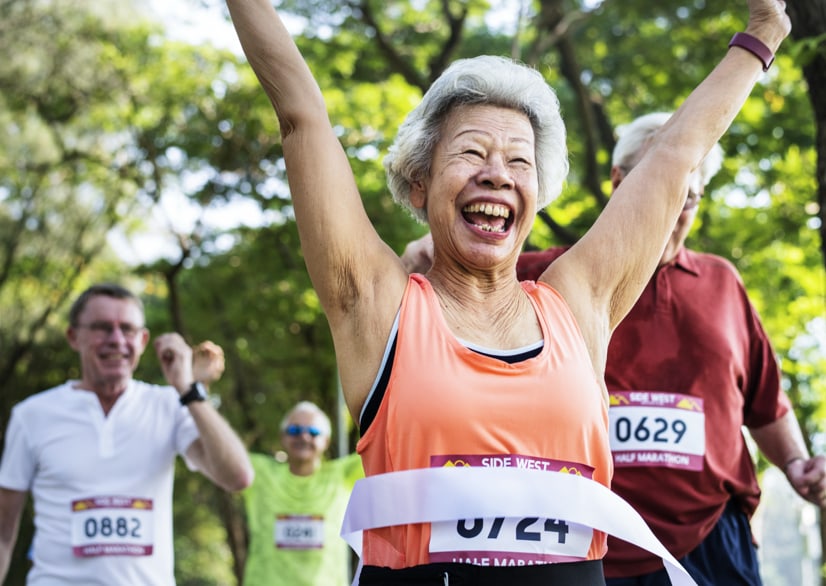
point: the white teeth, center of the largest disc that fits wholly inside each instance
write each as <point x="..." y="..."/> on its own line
<point x="488" y="228"/>
<point x="490" y="209"/>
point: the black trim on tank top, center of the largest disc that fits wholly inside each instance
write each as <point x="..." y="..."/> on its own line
<point x="374" y="400"/>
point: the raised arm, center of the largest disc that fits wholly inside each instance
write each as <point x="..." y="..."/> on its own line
<point x="358" y="278"/>
<point x="218" y="452"/>
<point x="603" y="275"/>
<point x="336" y="234"/>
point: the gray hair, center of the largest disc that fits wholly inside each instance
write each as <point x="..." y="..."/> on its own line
<point x="487" y="79"/>
<point x="633" y="137"/>
<point x="308" y="407"/>
<point x="112" y="290"/>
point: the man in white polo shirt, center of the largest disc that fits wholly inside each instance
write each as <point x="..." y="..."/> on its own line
<point x="98" y="453"/>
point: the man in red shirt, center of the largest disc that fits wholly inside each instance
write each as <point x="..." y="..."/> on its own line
<point x="686" y="369"/>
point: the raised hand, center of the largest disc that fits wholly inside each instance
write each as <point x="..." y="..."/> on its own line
<point x="175" y="357"/>
<point x="769" y="22"/>
<point x="207" y="362"/>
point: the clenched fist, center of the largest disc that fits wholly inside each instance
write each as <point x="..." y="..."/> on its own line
<point x="207" y="362"/>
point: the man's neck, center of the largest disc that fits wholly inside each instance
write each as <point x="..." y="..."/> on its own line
<point x="305" y="468"/>
<point x="672" y="249"/>
<point x="107" y="392"/>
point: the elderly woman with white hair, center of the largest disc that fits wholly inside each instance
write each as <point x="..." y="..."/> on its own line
<point x="470" y="388"/>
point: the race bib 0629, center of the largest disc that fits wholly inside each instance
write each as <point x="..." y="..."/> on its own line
<point x="650" y="428"/>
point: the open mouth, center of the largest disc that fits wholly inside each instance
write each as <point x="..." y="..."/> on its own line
<point x="114" y="358"/>
<point x="488" y="217"/>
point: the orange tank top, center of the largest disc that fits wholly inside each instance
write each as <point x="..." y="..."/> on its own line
<point x="446" y="404"/>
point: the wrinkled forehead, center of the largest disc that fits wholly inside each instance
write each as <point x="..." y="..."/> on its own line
<point x="504" y="123"/>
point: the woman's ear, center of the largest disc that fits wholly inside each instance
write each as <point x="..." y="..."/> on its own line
<point x="418" y="195"/>
<point x="617" y="175"/>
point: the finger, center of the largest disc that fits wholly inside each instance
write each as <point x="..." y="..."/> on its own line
<point x="209" y="346"/>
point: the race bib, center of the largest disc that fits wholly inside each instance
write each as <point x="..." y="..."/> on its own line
<point x="299" y="532"/>
<point x="509" y="541"/>
<point x="112" y="525"/>
<point x="650" y="428"/>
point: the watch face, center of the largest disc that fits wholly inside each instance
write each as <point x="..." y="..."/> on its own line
<point x="197" y="392"/>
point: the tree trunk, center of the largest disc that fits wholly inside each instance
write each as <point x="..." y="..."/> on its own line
<point x="809" y="28"/>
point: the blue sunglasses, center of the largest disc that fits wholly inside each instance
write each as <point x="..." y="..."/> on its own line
<point x="300" y="429"/>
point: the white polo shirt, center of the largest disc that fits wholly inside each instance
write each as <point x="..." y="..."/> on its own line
<point x="101" y="485"/>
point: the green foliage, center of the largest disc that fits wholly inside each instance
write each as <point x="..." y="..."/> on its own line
<point x="202" y="553"/>
<point x="106" y="121"/>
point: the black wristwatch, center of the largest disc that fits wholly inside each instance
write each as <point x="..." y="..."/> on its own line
<point x="197" y="392"/>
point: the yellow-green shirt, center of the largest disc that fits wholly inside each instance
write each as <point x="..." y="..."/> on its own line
<point x="295" y="523"/>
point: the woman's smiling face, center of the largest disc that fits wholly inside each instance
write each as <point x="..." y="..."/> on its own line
<point x="483" y="183"/>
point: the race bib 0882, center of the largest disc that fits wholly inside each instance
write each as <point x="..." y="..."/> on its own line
<point x="112" y="525"/>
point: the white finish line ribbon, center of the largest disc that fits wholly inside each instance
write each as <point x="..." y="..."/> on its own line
<point x="430" y="495"/>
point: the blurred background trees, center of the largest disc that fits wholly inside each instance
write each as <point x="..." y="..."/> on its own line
<point x="130" y="154"/>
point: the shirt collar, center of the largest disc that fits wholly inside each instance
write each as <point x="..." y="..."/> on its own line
<point x="687" y="261"/>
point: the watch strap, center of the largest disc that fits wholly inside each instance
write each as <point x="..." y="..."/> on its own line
<point x="754" y="46"/>
<point x="197" y="392"/>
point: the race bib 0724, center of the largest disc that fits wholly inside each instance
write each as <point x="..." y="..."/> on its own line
<point x="507" y="541"/>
